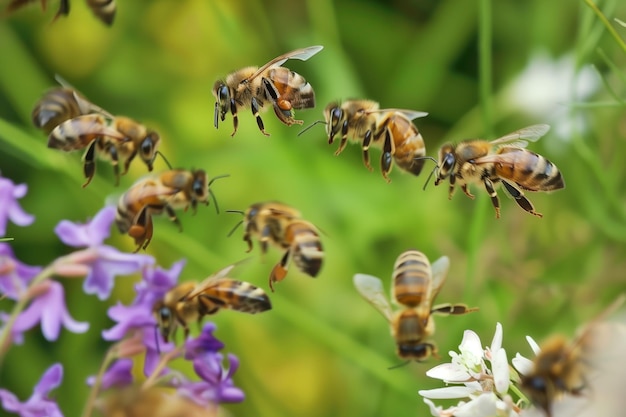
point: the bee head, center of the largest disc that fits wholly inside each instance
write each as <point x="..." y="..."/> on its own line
<point x="222" y="103"/>
<point x="447" y="160"/>
<point x="334" y="116"/>
<point x="148" y="148"/>
<point x="416" y="351"/>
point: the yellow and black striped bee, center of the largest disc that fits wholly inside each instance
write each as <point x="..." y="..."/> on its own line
<point x="415" y="285"/>
<point x="73" y="123"/>
<point x="102" y="9"/>
<point x="392" y="130"/>
<point x="251" y="87"/>
<point x="155" y="194"/>
<point x="502" y="160"/>
<point x="280" y="225"/>
<point x="191" y="301"/>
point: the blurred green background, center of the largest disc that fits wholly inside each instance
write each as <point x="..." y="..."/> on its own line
<point x="322" y="350"/>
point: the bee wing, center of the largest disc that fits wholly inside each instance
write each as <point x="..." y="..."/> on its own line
<point x="439" y="271"/>
<point x="85" y="106"/>
<point x="209" y="281"/>
<point x="371" y="288"/>
<point x="301" y="54"/>
<point x="521" y="137"/>
<point x="409" y="114"/>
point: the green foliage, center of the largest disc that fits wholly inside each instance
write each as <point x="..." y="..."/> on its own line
<point x="322" y="350"/>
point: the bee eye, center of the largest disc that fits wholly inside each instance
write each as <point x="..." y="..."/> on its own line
<point x="253" y="212"/>
<point x="335" y="116"/>
<point x="198" y="187"/>
<point x="537" y="384"/>
<point x="147" y="146"/>
<point x="448" y="162"/>
<point x="222" y="93"/>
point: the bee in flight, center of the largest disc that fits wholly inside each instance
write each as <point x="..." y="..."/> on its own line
<point x="561" y="367"/>
<point x="502" y="160"/>
<point x="280" y="225"/>
<point x="414" y="288"/>
<point x="155" y="194"/>
<point x="251" y="87"/>
<point x="73" y="123"/>
<point x="102" y="9"/>
<point x="191" y="301"/>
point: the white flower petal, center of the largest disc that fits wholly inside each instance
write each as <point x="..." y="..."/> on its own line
<point x="447" y="392"/>
<point x="471" y="344"/>
<point x="482" y="406"/>
<point x="496" y="343"/>
<point x="434" y="410"/>
<point x="449" y="372"/>
<point x="500" y="369"/>
<point x="523" y="365"/>
<point x="533" y="345"/>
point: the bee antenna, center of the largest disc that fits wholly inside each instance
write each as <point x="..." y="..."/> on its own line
<point x="217" y="208"/>
<point x="431" y="172"/>
<point x="400" y="365"/>
<point x="238" y="223"/>
<point x="310" y="126"/>
<point x="164" y="159"/>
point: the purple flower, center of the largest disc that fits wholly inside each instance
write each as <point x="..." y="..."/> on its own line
<point x="110" y="262"/>
<point x="14" y="275"/>
<point x="49" y="308"/>
<point x="38" y="405"/>
<point x="203" y="344"/>
<point x="216" y="386"/>
<point x="10" y="209"/>
<point x="139" y="315"/>
<point x="118" y="375"/>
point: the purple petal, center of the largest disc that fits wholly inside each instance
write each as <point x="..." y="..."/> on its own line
<point x="128" y="318"/>
<point x="89" y="234"/>
<point x="9" y="207"/>
<point x="118" y="375"/>
<point x="50" y="380"/>
<point x="204" y="343"/>
<point x="9" y="401"/>
<point x="100" y="227"/>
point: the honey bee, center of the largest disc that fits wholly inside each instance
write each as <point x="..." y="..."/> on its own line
<point x="415" y="286"/>
<point x="73" y="123"/>
<point x="167" y="191"/>
<point x="502" y="160"/>
<point x="252" y="86"/>
<point x="102" y="9"/>
<point x="561" y="367"/>
<point x="191" y="301"/>
<point x="281" y="225"/>
<point x="392" y="130"/>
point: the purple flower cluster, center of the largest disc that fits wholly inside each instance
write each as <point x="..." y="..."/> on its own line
<point x="40" y="299"/>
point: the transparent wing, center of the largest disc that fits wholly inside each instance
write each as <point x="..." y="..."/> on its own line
<point x="409" y="114"/>
<point x="301" y="54"/>
<point x="371" y="288"/>
<point x="439" y="272"/>
<point x="520" y="138"/>
<point x="85" y="106"/>
<point x="210" y="280"/>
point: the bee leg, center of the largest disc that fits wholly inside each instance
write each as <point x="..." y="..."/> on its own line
<point x="265" y="237"/>
<point x="172" y="215"/>
<point x="452" y="309"/>
<point x="344" y="138"/>
<point x="89" y="165"/>
<point x="386" y="157"/>
<point x="465" y="189"/>
<point x="367" y="139"/>
<point x="248" y="240"/>
<point x="129" y="160"/>
<point x="233" y="111"/>
<point x="115" y="162"/>
<point x="64" y="9"/>
<point x="493" y="194"/>
<point x="280" y="269"/>
<point x="254" y="105"/>
<point x="142" y="229"/>
<point x="451" y="187"/>
<point x="521" y="199"/>
<point x="216" y="115"/>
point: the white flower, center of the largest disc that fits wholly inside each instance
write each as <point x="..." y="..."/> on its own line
<point x="470" y="369"/>
<point x="524" y="365"/>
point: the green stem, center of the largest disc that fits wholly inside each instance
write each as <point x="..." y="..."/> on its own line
<point x="607" y="24"/>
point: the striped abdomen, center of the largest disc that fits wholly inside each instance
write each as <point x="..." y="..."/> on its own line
<point x="307" y="248"/>
<point x="103" y="9"/>
<point x="54" y="108"/>
<point x="412" y="279"/>
<point x="130" y="204"/>
<point x="410" y="331"/>
<point x="408" y="142"/>
<point x="235" y="295"/>
<point x="527" y="169"/>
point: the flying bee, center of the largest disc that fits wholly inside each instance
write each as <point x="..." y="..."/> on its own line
<point x="392" y="130"/>
<point x="155" y="194"/>
<point x="253" y="86"/>
<point x="102" y="9"/>
<point x="502" y="160"/>
<point x="562" y="367"/>
<point x="113" y="138"/>
<point x="191" y="301"/>
<point x="280" y="225"/>
<point x="414" y="288"/>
